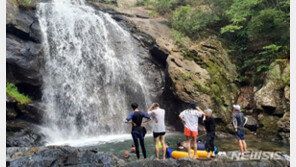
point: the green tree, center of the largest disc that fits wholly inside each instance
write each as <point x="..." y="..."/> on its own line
<point x="190" y="21"/>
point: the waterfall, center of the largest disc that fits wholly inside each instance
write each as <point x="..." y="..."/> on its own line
<point x="92" y="72"/>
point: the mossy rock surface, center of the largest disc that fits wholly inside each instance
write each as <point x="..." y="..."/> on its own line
<point x="205" y="74"/>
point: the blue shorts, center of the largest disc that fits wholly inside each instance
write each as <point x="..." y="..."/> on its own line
<point x="240" y="134"/>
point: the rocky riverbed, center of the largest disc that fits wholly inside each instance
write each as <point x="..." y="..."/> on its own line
<point x="69" y="156"/>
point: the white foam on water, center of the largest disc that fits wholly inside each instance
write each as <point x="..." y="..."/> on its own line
<point x="92" y="141"/>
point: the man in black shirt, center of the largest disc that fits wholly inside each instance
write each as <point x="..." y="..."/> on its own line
<point x="138" y="131"/>
<point x="210" y="128"/>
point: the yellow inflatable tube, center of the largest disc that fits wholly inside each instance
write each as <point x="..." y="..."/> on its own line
<point x="182" y="154"/>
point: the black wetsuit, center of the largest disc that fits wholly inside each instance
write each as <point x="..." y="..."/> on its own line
<point x="210" y="127"/>
<point x="138" y="132"/>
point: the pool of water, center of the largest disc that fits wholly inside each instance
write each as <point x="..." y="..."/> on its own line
<point x="229" y="144"/>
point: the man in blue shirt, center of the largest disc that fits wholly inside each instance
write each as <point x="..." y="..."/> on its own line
<point x="239" y="121"/>
<point x="138" y="131"/>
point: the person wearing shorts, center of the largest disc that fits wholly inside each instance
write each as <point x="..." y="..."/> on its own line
<point x="158" y="126"/>
<point x="189" y="118"/>
<point x="239" y="121"/>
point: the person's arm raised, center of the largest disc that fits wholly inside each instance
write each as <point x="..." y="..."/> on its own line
<point x="198" y="109"/>
<point x="146" y="116"/>
<point x="204" y="118"/>
<point x="150" y="108"/>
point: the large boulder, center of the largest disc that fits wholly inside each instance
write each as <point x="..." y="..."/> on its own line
<point x="59" y="156"/>
<point x="273" y="101"/>
<point x="272" y="98"/>
<point x="252" y="123"/>
<point x="205" y="74"/>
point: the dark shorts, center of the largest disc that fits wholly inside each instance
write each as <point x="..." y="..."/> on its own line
<point x="240" y="134"/>
<point x="156" y="134"/>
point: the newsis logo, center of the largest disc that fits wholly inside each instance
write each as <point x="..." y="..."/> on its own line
<point x="253" y="155"/>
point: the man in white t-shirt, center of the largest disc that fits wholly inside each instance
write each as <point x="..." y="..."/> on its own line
<point x="189" y="118"/>
<point x="157" y="115"/>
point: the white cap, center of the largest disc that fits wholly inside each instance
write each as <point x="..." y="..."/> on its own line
<point x="236" y="107"/>
<point x="208" y="111"/>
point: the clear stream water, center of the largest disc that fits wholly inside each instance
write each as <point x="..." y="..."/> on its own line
<point x="229" y="144"/>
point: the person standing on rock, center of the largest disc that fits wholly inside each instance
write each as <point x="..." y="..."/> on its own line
<point x="158" y="126"/>
<point x="138" y="131"/>
<point x="239" y="121"/>
<point x="189" y="118"/>
<point x="210" y="128"/>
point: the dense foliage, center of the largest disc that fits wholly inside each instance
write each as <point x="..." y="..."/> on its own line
<point x="256" y="31"/>
<point x="12" y="91"/>
<point x="260" y="32"/>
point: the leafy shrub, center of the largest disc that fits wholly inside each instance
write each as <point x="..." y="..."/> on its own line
<point x="271" y="25"/>
<point x="268" y="55"/>
<point x="189" y="21"/>
<point x="259" y="33"/>
<point x="12" y="91"/>
<point x="164" y="6"/>
<point x="230" y="28"/>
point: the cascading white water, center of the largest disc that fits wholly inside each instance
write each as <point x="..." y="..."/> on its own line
<point x="92" y="72"/>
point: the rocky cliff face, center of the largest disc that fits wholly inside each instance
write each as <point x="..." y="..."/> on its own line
<point x="268" y="106"/>
<point x="202" y="72"/>
<point x="23" y="45"/>
<point x="23" y="62"/>
<point x="273" y="102"/>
